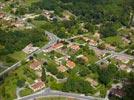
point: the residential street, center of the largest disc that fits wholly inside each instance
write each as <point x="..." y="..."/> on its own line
<point x="114" y="54"/>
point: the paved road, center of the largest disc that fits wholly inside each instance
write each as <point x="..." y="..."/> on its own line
<point x="103" y="51"/>
<point x="49" y="92"/>
<point x="53" y="39"/>
<point x="11" y="68"/>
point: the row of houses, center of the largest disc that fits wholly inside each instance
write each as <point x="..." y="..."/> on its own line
<point x="69" y="65"/>
<point x="38" y="84"/>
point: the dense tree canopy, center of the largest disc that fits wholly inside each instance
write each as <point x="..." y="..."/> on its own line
<point x="75" y="84"/>
<point x="106" y="75"/>
<point x="17" y="40"/>
<point x="129" y="86"/>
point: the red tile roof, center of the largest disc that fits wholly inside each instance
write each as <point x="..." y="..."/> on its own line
<point x="35" y="65"/>
<point x="74" y="47"/>
<point x="70" y="64"/>
<point x="58" y="45"/>
<point x="37" y="85"/>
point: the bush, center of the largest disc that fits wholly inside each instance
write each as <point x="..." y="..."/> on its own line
<point x="108" y="30"/>
<point x="60" y="75"/>
<point x="20" y="83"/>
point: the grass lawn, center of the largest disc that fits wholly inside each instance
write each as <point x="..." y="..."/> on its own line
<point x="26" y="91"/>
<point x="43" y="25"/>
<point x="55" y="54"/>
<point x="115" y="40"/>
<point x="43" y="56"/>
<point x="102" y="89"/>
<point x="29" y="2"/>
<point x="79" y="40"/>
<point x="2" y="69"/>
<point x="92" y="59"/>
<point x="7" y="60"/>
<point x="19" y="55"/>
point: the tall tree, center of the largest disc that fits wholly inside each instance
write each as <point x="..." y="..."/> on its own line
<point x="43" y="76"/>
<point x="129" y="87"/>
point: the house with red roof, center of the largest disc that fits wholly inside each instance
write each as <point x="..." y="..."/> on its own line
<point x="37" y="85"/>
<point x="57" y="46"/>
<point x="74" y="47"/>
<point x="70" y="64"/>
<point x="35" y="65"/>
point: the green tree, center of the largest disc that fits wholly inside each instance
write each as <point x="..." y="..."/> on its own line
<point x="60" y="75"/>
<point x="90" y="27"/>
<point x="76" y="84"/>
<point x="108" y="30"/>
<point x="20" y="83"/>
<point x="84" y="71"/>
<point x="43" y="76"/>
<point x="106" y="75"/>
<point x="52" y="68"/>
<point x="129" y="87"/>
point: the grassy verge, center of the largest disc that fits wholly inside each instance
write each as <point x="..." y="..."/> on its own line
<point x="116" y="41"/>
<point x="18" y="55"/>
<point x="26" y="91"/>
